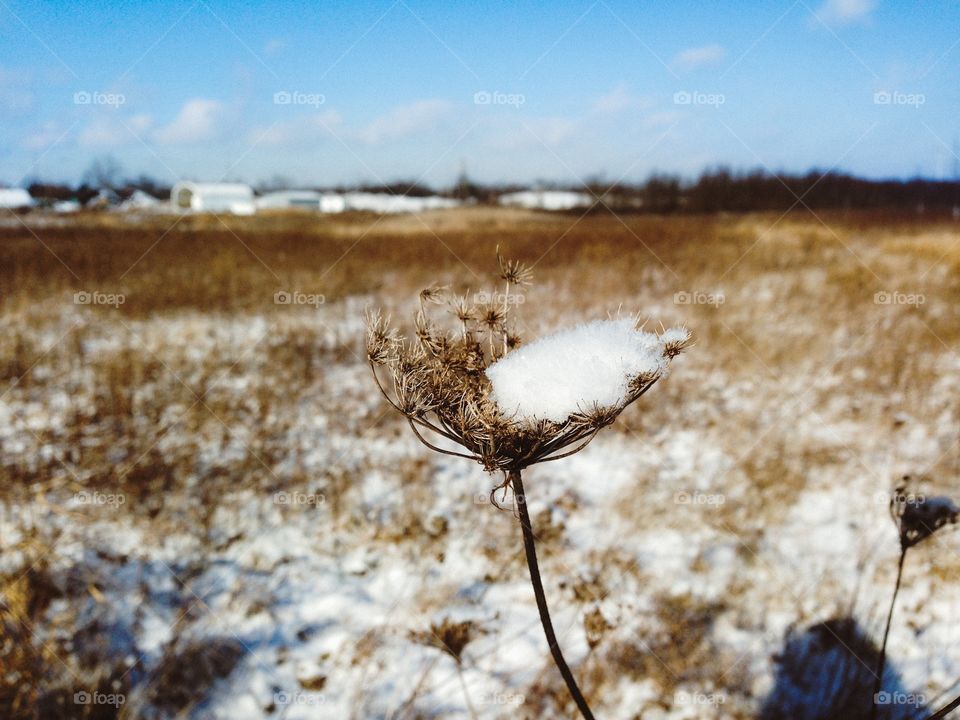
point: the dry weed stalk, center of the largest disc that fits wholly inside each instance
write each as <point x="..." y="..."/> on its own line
<point x="916" y="518"/>
<point x="438" y="382"/>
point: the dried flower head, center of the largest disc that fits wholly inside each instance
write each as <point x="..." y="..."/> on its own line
<point x="433" y="295"/>
<point x="463" y="310"/>
<point x="449" y="636"/>
<point x="917" y="517"/>
<point x="507" y="408"/>
<point x="513" y="271"/>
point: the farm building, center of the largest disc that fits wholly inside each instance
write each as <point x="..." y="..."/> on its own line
<point x="547" y="199"/>
<point x="140" y="200"/>
<point x="332" y="203"/>
<point x="233" y="198"/>
<point x="15" y="198"/>
<point x="290" y="199"/>
<point x="304" y="199"/>
<point x="66" y="206"/>
<point x="388" y="203"/>
<point x="105" y="198"/>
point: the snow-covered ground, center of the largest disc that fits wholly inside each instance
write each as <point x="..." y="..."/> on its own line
<point x="268" y="526"/>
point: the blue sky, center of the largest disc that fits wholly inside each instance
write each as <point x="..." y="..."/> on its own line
<point x="333" y="92"/>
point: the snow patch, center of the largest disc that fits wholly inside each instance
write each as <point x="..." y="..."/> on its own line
<point x="573" y="370"/>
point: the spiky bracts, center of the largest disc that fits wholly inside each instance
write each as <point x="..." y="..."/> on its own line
<point x="437" y="380"/>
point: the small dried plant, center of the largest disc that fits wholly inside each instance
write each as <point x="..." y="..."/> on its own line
<point x="508" y="407"/>
<point x="916" y="517"/>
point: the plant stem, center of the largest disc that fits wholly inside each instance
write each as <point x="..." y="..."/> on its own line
<point x="945" y="710"/>
<point x="466" y="693"/>
<point x="881" y="663"/>
<point x="530" y="548"/>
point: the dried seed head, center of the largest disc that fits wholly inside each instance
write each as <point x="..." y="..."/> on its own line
<point x="439" y="382"/>
<point x="492" y="317"/>
<point x="382" y="340"/>
<point x="514" y="271"/>
<point x="639" y="383"/>
<point x="428" y="335"/>
<point x="675" y="341"/>
<point x="917" y="516"/>
<point x="599" y="417"/>
<point x="463" y="310"/>
<point x="433" y="295"/>
<point x="449" y="636"/>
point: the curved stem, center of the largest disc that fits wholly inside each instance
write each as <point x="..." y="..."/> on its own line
<point x="434" y="447"/>
<point x="577" y="449"/>
<point x="945" y="710"/>
<point x="531" y="552"/>
<point x="881" y="664"/>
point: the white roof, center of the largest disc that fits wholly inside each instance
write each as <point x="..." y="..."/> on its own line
<point x="139" y="200"/>
<point x="284" y="198"/>
<point x="547" y="199"/>
<point x="386" y="203"/>
<point x="15" y="198"/>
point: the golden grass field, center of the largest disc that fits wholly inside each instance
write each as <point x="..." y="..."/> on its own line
<point x="825" y="368"/>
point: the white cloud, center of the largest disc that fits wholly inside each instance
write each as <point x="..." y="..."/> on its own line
<point x="616" y="101"/>
<point x="553" y="131"/>
<point x="845" y="12"/>
<point x="697" y="57"/>
<point x="509" y="133"/>
<point x="102" y="132"/>
<point x="663" y="118"/>
<point x="301" y="130"/>
<point x="108" y="131"/>
<point x="140" y="123"/>
<point x="16" y="98"/>
<point x="406" y="120"/>
<point x="196" y="121"/>
<point x="274" y="46"/>
<point x="43" y="137"/>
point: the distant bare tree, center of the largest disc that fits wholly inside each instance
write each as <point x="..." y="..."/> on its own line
<point x="103" y="172"/>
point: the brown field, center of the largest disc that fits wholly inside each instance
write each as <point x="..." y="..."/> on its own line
<point x="825" y="368"/>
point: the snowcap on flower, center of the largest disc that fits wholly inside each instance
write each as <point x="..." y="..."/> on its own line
<point x="505" y="404"/>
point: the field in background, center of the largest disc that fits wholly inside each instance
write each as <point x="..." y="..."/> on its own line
<point x="205" y="506"/>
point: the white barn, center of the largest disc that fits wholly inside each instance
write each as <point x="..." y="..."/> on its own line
<point x="303" y="199"/>
<point x="388" y="203"/>
<point x="547" y="199"/>
<point x="233" y="198"/>
<point x="15" y="198"/>
<point x="289" y="199"/>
